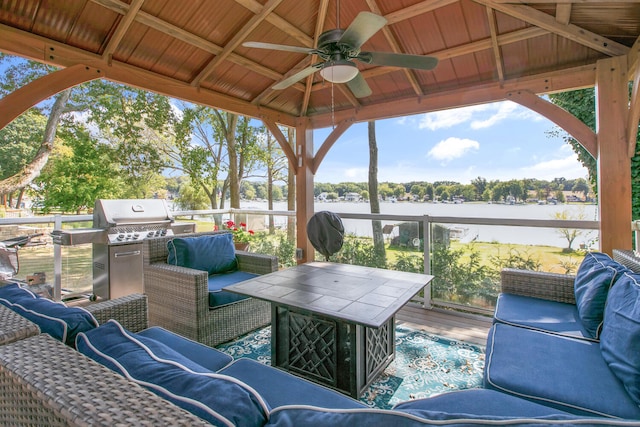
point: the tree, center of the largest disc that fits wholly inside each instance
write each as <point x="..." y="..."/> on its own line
<point x="569" y="233"/>
<point x="581" y="186"/>
<point x="374" y="204"/>
<point x="79" y="171"/>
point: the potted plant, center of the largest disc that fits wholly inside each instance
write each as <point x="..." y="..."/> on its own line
<point x="241" y="235"/>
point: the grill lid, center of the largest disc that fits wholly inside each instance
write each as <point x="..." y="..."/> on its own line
<point x="110" y="213"/>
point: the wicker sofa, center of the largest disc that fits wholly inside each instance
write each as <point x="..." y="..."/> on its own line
<point x="557" y="340"/>
<point x="179" y="302"/>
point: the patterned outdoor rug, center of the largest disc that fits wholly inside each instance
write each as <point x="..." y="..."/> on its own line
<point x="425" y="365"/>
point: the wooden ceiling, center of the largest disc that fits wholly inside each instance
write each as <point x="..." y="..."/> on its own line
<point x="487" y="49"/>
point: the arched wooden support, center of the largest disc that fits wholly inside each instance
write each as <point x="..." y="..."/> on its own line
<point x="19" y="101"/>
<point x="567" y="121"/>
<point x="284" y="144"/>
<point x="328" y="143"/>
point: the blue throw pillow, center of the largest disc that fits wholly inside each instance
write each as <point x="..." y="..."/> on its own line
<point x="53" y="318"/>
<point x="219" y="399"/>
<point x="594" y="278"/>
<point x="620" y="338"/>
<point x="211" y="253"/>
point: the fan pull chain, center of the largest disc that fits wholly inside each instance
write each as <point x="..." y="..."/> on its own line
<point x="333" y="118"/>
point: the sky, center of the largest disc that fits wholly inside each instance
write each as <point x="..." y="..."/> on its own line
<point x="497" y="141"/>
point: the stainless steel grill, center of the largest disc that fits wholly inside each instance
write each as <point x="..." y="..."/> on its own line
<point x="119" y="228"/>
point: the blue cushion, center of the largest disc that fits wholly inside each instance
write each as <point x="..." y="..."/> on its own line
<point x="540" y="314"/>
<point x="565" y="373"/>
<point x="481" y="402"/>
<point x="207" y="357"/>
<point x="620" y="340"/>
<point x="216" y="398"/>
<point x="596" y="274"/>
<point x="211" y="253"/>
<point x="290" y="390"/>
<point x="54" y="318"/>
<point x="287" y="416"/>
<point x="218" y="297"/>
<point x="13" y="291"/>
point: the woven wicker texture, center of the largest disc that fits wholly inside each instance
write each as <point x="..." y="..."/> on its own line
<point x="14" y="327"/>
<point x="130" y="311"/>
<point x="538" y="284"/>
<point x="627" y="258"/>
<point x="179" y="301"/>
<point x="45" y="383"/>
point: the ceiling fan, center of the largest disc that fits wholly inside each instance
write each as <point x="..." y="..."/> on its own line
<point x="338" y="48"/>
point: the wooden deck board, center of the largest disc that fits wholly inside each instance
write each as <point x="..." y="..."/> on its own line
<point x="465" y="327"/>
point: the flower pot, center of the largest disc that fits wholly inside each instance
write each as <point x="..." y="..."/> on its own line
<point x="241" y="246"/>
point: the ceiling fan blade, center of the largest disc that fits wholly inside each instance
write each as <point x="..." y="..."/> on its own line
<point x="419" y="62"/>
<point x="294" y="78"/>
<point x="362" y="29"/>
<point x="282" y="47"/>
<point x="359" y="87"/>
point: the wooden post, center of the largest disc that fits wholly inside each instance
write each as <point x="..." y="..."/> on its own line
<point x="614" y="164"/>
<point x="304" y="189"/>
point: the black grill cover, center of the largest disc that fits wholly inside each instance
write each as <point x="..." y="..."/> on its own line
<point x="326" y="232"/>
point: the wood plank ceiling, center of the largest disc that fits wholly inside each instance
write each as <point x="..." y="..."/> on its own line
<point x="193" y="49"/>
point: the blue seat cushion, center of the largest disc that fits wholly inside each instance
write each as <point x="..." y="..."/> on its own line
<point x="219" y="399"/>
<point x="207" y="357"/>
<point x="621" y="333"/>
<point x="213" y="253"/>
<point x="565" y="373"/>
<point x="302" y="415"/>
<point x="280" y="388"/>
<point x="480" y="402"/>
<point x="540" y="314"/>
<point x="54" y="318"/>
<point x="594" y="278"/>
<point x="218" y="297"/>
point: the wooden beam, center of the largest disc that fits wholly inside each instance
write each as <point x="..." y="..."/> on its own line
<point x="20" y="100"/>
<point x="284" y="143"/>
<point x="320" y="22"/>
<point x="40" y="49"/>
<point x="279" y="23"/>
<point x="415" y="10"/>
<point x="186" y="37"/>
<point x="563" y="13"/>
<point x="122" y="29"/>
<point x="328" y="143"/>
<point x="236" y="40"/>
<point x="573" y="78"/>
<point x="614" y="164"/>
<point x="549" y="23"/>
<point x="495" y="47"/>
<point x="567" y="121"/>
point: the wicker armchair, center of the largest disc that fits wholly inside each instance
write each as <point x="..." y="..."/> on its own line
<point x="178" y="296"/>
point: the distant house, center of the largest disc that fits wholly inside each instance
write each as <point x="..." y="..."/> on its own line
<point x="352" y="197"/>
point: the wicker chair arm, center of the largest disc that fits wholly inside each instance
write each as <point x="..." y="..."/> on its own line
<point x="46" y="383"/>
<point x="130" y="311"/>
<point x="256" y="263"/>
<point x="14" y="327"/>
<point x="538" y="284"/>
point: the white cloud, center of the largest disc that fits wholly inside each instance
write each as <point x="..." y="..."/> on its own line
<point x="478" y="116"/>
<point x="452" y="148"/>
<point x="567" y="167"/>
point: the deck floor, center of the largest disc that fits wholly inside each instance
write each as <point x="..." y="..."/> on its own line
<point x="471" y="328"/>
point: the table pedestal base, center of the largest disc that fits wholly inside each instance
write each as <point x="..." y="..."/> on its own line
<point x="344" y="356"/>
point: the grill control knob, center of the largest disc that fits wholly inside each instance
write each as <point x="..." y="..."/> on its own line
<point x="150" y="234"/>
<point x="164" y="232"/>
<point x="120" y="237"/>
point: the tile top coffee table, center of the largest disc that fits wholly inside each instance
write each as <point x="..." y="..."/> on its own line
<point x="334" y="323"/>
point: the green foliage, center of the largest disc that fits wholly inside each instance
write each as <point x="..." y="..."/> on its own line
<point x="275" y="244"/>
<point x="80" y="171"/>
<point x="19" y="141"/>
<point x="358" y="251"/>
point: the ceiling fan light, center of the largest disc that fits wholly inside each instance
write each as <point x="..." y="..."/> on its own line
<point x="339" y="71"/>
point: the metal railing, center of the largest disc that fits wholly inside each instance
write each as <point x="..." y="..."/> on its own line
<point x="425" y="222"/>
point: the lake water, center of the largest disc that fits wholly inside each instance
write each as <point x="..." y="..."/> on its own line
<point x="467" y="232"/>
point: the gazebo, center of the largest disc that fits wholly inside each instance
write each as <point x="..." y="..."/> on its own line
<point x="486" y="51"/>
